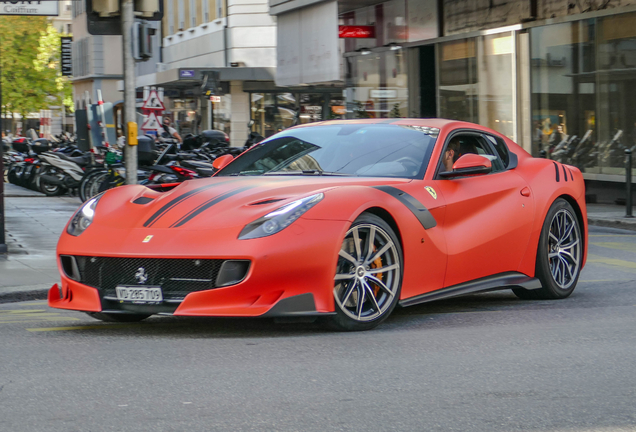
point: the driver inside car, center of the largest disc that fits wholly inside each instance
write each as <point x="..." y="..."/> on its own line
<point x="451" y="154"/>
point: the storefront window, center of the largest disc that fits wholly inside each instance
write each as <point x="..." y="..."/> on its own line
<point x="564" y="92"/>
<point x="616" y="42"/>
<point x="272" y="112"/>
<point x="458" y="80"/>
<point x="379" y="84"/>
<point x="222" y="113"/>
<point x="496" y="83"/>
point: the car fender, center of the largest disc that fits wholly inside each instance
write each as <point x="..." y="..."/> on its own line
<point x="424" y="249"/>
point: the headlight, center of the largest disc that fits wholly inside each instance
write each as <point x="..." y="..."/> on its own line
<point x="279" y="219"/>
<point x="83" y="217"/>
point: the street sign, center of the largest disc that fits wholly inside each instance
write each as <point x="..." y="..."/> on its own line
<point x="67" y="59"/>
<point x="186" y="73"/>
<point x="215" y="99"/>
<point x="153" y="102"/>
<point x="151" y="122"/>
<point x="47" y="8"/>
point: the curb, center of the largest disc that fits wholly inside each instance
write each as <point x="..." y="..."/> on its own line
<point x="613" y="223"/>
<point x="19" y="296"/>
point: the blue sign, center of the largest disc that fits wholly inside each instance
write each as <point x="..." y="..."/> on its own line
<point x="186" y="73"/>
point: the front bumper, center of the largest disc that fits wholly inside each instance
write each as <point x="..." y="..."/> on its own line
<point x="291" y="273"/>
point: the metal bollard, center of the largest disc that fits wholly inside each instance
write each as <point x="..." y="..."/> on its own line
<point x="628" y="183"/>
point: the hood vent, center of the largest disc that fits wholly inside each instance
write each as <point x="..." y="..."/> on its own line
<point x="267" y="201"/>
<point x="143" y="200"/>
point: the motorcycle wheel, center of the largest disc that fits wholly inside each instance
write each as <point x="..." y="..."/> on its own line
<point x="86" y="189"/>
<point x="50" y="189"/>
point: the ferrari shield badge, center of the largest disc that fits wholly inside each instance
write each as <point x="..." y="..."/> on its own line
<point x="431" y="191"/>
<point x="147" y="239"/>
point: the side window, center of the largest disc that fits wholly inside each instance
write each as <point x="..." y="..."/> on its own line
<point x="488" y="150"/>
<point x="483" y="145"/>
<point x="501" y="148"/>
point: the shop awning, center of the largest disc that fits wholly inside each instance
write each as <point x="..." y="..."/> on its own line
<point x="190" y="77"/>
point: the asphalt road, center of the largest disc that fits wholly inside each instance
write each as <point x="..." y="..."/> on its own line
<point x="486" y="362"/>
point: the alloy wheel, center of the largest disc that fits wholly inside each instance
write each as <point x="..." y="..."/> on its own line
<point x="368" y="273"/>
<point x="564" y="249"/>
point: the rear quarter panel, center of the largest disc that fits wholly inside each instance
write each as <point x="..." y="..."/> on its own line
<point x="549" y="180"/>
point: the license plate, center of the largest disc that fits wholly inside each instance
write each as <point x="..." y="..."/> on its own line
<point x="139" y="295"/>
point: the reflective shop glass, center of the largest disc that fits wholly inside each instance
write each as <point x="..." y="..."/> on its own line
<point x="363" y="150"/>
<point x="275" y="112"/>
<point x="476" y="81"/>
<point x="583" y="88"/>
<point x="380" y="84"/>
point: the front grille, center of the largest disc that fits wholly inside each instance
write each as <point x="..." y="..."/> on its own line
<point x="176" y="277"/>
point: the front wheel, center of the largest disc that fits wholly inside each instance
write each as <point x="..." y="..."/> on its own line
<point x="115" y="317"/>
<point x="559" y="254"/>
<point x="368" y="275"/>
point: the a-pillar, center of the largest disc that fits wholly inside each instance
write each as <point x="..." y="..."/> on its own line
<point x="240" y="114"/>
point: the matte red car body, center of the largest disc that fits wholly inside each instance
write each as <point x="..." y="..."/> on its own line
<point x="486" y="225"/>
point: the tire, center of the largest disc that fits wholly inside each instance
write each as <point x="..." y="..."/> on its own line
<point x="115" y="317"/>
<point x="50" y="189"/>
<point x="557" y="267"/>
<point x="86" y="180"/>
<point x="357" y="276"/>
<point x="93" y="184"/>
<point x="11" y="175"/>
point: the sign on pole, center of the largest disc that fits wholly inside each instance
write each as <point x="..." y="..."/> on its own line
<point x="67" y="59"/>
<point x="47" y="8"/>
<point x="153" y="102"/>
<point x="151" y="122"/>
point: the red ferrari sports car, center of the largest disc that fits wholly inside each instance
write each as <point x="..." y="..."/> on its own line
<point x="340" y="220"/>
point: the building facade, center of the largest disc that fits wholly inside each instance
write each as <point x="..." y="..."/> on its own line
<point x="554" y="75"/>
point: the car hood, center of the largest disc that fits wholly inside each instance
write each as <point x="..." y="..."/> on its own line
<point x="218" y="202"/>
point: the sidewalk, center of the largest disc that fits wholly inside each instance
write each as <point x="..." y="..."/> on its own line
<point x="34" y="223"/>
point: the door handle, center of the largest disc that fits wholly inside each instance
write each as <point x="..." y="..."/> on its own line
<point x="525" y="191"/>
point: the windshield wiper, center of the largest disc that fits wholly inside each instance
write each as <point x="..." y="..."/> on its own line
<point x="313" y="172"/>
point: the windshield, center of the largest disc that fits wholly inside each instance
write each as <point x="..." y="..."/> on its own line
<point x="364" y="150"/>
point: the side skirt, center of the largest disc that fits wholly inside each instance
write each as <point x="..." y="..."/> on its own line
<point x="491" y="283"/>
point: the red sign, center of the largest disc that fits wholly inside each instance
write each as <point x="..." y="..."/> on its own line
<point x="356" y="31"/>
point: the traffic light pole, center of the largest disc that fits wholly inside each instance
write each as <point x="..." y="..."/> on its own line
<point x="3" y="243"/>
<point x="130" y="91"/>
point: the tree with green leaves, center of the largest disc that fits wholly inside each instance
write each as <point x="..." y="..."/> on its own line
<point x="30" y="65"/>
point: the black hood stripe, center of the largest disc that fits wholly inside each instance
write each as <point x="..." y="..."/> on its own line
<point x="556" y="169"/>
<point x="417" y="208"/>
<point x="206" y="205"/>
<point x="565" y="173"/>
<point x="167" y="207"/>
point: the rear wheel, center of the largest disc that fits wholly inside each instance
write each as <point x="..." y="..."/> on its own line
<point x="50" y="189"/>
<point x="559" y="254"/>
<point x="115" y="317"/>
<point x="368" y="275"/>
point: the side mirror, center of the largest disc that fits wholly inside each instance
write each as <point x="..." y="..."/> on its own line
<point x="222" y="161"/>
<point x="469" y="164"/>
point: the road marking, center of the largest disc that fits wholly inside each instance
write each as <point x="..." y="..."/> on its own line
<point x="607" y="280"/>
<point x="611" y="235"/>
<point x="613" y="262"/>
<point x="22" y="311"/>
<point x="89" y="327"/>
<point x="49" y="319"/>
<point x="15" y="316"/>
<point x="628" y="247"/>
